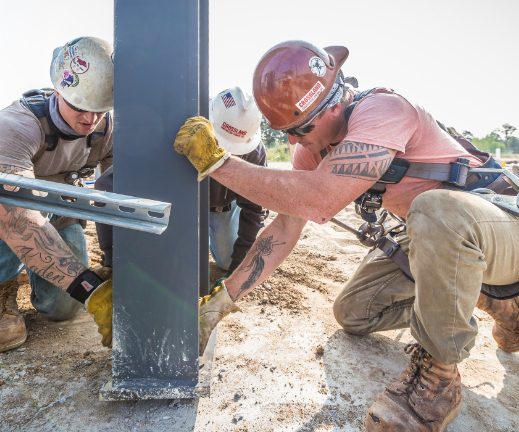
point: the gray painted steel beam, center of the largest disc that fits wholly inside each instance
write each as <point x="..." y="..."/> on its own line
<point x="204" y="110"/>
<point x="66" y="200"/>
<point x="156" y="87"/>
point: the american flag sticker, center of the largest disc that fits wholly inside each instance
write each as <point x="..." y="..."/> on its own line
<point x="87" y="287"/>
<point x="228" y="100"/>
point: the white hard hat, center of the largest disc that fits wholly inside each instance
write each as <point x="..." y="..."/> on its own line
<point x="236" y="120"/>
<point x="82" y="72"/>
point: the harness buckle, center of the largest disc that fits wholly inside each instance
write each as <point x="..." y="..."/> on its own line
<point x="459" y="172"/>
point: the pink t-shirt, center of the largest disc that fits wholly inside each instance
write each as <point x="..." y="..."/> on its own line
<point x="390" y="121"/>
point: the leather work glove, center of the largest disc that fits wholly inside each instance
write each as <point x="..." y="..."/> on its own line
<point x="99" y="305"/>
<point x="196" y="141"/>
<point x="212" y="308"/>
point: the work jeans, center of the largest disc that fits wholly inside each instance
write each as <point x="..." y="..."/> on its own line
<point x="49" y="300"/>
<point x="455" y="242"/>
<point x="223" y="232"/>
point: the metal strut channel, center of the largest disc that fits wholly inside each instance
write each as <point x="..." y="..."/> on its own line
<point x="65" y="200"/>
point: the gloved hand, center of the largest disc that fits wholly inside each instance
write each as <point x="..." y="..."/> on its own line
<point x="196" y="141"/>
<point x="99" y="305"/>
<point x="212" y="308"/>
<point x="104" y="272"/>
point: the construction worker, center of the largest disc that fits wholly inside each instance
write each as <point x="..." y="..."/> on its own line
<point x="347" y="144"/>
<point x="59" y="135"/>
<point x="234" y="221"/>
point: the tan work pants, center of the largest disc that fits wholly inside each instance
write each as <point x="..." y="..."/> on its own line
<point x="455" y="241"/>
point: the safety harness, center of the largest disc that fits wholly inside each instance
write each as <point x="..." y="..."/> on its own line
<point x="489" y="180"/>
<point x="37" y="101"/>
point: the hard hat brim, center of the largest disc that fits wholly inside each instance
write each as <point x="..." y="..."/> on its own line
<point x="339" y="54"/>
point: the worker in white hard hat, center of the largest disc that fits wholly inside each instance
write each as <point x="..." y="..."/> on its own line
<point x="234" y="221"/>
<point x="60" y="134"/>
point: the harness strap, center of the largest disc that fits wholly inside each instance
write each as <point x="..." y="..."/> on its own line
<point x="392" y="249"/>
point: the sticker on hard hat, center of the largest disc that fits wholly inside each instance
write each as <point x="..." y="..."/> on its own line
<point x="317" y="66"/>
<point x="78" y="65"/>
<point x="70" y="79"/>
<point x="228" y="100"/>
<point x="233" y="130"/>
<point x="310" y="97"/>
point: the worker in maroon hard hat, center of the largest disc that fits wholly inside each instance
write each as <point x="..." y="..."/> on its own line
<point x="378" y="149"/>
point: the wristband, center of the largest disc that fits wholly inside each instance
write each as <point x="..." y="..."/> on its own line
<point x="84" y="285"/>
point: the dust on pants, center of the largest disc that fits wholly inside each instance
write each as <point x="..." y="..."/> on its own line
<point x="456" y="241"/>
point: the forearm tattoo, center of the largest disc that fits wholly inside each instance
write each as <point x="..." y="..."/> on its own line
<point x="358" y="160"/>
<point x="264" y="247"/>
<point x="37" y="243"/>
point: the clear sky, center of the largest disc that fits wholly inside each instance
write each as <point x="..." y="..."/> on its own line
<point x="457" y="58"/>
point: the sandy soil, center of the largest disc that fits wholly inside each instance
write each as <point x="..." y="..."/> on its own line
<point x="283" y="364"/>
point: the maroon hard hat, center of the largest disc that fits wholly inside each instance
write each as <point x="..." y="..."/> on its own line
<point x="293" y="78"/>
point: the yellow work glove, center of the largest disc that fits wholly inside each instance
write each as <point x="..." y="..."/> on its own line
<point x="196" y="141"/>
<point x="211" y="309"/>
<point x="99" y="305"/>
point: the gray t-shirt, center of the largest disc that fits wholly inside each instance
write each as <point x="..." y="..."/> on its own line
<point x="22" y="136"/>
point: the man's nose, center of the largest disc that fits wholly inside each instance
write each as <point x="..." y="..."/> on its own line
<point x="91" y="117"/>
<point x="293" y="139"/>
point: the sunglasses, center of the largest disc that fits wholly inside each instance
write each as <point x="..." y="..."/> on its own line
<point x="79" y="110"/>
<point x="306" y="127"/>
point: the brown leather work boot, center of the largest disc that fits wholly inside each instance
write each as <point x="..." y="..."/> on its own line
<point x="506" y="317"/>
<point x="426" y="398"/>
<point x="12" y="325"/>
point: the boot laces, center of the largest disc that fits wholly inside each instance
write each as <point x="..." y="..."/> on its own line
<point x="421" y="362"/>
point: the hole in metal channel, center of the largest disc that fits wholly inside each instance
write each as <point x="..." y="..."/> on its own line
<point x="11" y="188"/>
<point x="97" y="204"/>
<point x="39" y="193"/>
<point x="68" y="199"/>
<point x="157" y="215"/>
<point x="126" y="209"/>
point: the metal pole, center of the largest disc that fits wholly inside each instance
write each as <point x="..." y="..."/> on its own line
<point x="155" y="350"/>
<point x="204" y="110"/>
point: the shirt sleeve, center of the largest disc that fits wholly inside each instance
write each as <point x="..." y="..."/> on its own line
<point x="20" y="138"/>
<point x="386" y="120"/>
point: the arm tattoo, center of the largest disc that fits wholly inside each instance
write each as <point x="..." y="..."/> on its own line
<point x="38" y="244"/>
<point x="264" y="247"/>
<point x="358" y="160"/>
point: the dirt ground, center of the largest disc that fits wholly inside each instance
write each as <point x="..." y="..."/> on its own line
<point x="282" y="364"/>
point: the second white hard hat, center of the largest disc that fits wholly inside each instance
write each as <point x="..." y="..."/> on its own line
<point x="236" y="120"/>
<point x="82" y="72"/>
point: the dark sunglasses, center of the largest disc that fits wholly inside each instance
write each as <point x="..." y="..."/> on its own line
<point x="79" y="110"/>
<point x="306" y="127"/>
<point x="300" y="130"/>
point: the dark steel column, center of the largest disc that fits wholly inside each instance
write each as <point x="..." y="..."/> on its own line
<point x="204" y="110"/>
<point x="156" y="278"/>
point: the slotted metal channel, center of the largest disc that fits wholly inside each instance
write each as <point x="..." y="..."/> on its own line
<point x="65" y="200"/>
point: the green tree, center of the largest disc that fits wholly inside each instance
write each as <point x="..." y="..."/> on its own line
<point x="276" y="143"/>
<point x="490" y="142"/>
<point x="272" y="138"/>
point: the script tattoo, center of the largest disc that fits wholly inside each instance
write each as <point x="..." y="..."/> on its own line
<point x="36" y="242"/>
<point x="364" y="161"/>
<point x="264" y="247"/>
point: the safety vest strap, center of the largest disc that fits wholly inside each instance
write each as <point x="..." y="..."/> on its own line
<point x="37" y="101"/>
